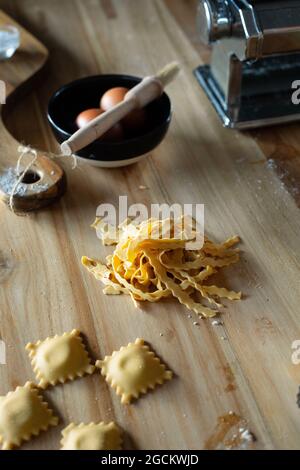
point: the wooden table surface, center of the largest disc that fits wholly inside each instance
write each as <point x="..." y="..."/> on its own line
<point x="249" y="183"/>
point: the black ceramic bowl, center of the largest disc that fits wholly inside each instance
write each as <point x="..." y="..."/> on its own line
<point x="85" y="93"/>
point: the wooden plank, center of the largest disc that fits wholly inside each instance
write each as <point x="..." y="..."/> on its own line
<point x="46" y="291"/>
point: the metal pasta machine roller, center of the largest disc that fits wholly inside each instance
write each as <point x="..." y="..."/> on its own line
<point x="255" y="62"/>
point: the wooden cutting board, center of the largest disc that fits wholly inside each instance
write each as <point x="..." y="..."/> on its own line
<point x="19" y="74"/>
<point x="243" y="366"/>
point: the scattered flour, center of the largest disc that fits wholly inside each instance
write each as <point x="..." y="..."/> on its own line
<point x="8" y="180"/>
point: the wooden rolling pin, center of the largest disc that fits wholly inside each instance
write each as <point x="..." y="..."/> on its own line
<point x="149" y="89"/>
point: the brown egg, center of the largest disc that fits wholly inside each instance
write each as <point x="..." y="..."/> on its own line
<point x="135" y="121"/>
<point x="112" y="97"/>
<point x="86" y="116"/>
<point x="115" y="134"/>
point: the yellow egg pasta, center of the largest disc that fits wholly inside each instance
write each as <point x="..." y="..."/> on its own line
<point x="59" y="358"/>
<point x="23" y="414"/>
<point x="151" y="261"/>
<point x="92" y="436"/>
<point x="133" y="370"/>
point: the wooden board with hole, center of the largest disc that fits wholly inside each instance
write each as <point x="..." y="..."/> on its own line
<point x="243" y="366"/>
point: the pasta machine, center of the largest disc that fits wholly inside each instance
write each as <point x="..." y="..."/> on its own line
<point x="253" y="78"/>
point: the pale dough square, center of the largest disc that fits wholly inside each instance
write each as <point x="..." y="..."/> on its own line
<point x="23" y="414"/>
<point x="100" y="436"/>
<point x="59" y="358"/>
<point x="133" y="370"/>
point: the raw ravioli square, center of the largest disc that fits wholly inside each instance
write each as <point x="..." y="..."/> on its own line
<point x="23" y="414"/>
<point x="133" y="370"/>
<point x="100" y="436"/>
<point x="59" y="358"/>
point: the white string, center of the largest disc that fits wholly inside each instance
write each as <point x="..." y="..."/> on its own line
<point x="61" y="155"/>
<point x="23" y="151"/>
<point x="74" y="157"/>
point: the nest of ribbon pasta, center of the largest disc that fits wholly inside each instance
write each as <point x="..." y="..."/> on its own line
<point x="151" y="261"/>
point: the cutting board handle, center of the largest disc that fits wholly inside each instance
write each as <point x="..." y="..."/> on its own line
<point x="45" y="183"/>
